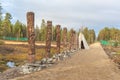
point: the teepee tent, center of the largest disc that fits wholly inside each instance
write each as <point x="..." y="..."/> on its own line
<point x="82" y="42"/>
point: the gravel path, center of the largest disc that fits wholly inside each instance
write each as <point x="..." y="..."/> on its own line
<point x="92" y="64"/>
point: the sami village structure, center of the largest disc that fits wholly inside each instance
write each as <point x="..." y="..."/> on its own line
<point x="82" y="42"/>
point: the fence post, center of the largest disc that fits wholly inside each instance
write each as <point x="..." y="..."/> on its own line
<point x="31" y="36"/>
<point x="48" y="38"/>
<point x="58" y="38"/>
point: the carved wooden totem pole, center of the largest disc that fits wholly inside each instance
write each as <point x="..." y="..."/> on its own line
<point x="77" y="41"/>
<point x="58" y="38"/>
<point x="71" y="40"/>
<point x="31" y="36"/>
<point x="65" y="38"/>
<point x="74" y="40"/>
<point x="48" y="38"/>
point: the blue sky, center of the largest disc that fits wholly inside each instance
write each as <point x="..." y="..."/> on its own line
<point x="94" y="14"/>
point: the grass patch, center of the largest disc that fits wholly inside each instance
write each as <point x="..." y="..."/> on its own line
<point x="118" y="52"/>
<point x="1" y="42"/>
<point x="19" y="54"/>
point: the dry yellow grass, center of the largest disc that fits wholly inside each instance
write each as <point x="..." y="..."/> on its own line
<point x="19" y="53"/>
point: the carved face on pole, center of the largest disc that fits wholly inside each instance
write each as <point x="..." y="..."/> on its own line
<point x="48" y="38"/>
<point x="58" y="38"/>
<point x="65" y="38"/>
<point x="71" y="40"/>
<point x="31" y="36"/>
<point x="74" y="40"/>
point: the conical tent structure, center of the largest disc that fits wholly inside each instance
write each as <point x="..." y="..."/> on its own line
<point x="82" y="42"/>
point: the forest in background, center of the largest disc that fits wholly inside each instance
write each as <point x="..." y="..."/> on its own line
<point x="19" y="30"/>
<point x="109" y="34"/>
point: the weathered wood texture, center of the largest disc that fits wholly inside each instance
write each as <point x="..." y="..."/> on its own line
<point x="64" y="38"/>
<point x="77" y="37"/>
<point x="31" y="36"/>
<point x="71" y="40"/>
<point x="58" y="38"/>
<point x="74" y="40"/>
<point x="48" y="38"/>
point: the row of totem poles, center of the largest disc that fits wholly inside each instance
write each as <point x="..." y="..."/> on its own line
<point x="72" y="44"/>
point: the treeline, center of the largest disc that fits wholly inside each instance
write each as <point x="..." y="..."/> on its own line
<point x="7" y="29"/>
<point x="19" y="30"/>
<point x="89" y="35"/>
<point x="109" y="34"/>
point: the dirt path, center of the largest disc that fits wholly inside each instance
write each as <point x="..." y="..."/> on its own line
<point x="92" y="64"/>
<point x="16" y="42"/>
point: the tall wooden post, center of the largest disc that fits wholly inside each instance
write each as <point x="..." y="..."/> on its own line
<point x="48" y="38"/>
<point x="31" y="36"/>
<point x="77" y="41"/>
<point x="65" y="38"/>
<point x="71" y="40"/>
<point x="58" y="38"/>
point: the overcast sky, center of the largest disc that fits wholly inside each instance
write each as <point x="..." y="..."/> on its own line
<point x="94" y="14"/>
